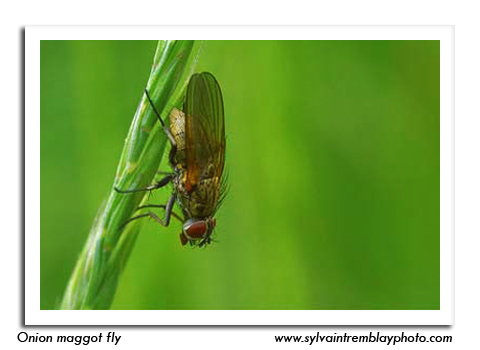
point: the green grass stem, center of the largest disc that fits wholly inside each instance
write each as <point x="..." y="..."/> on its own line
<point x="94" y="280"/>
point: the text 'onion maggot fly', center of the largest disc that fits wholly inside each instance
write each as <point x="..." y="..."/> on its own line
<point x="197" y="159"/>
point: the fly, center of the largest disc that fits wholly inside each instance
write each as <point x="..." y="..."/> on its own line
<point x="197" y="159"/>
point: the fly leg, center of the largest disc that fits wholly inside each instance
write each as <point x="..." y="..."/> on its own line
<point x="163" y="206"/>
<point x="173" y="143"/>
<point x="163" y="182"/>
<point x="171" y="156"/>
<point x="168" y="213"/>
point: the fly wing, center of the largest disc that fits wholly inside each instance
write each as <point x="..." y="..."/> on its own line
<point x="204" y="129"/>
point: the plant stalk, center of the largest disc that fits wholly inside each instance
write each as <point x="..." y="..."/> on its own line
<point x="94" y="280"/>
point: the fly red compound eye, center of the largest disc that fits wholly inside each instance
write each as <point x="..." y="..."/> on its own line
<point x="196" y="230"/>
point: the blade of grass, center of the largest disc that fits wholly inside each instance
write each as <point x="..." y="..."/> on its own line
<point x="95" y="277"/>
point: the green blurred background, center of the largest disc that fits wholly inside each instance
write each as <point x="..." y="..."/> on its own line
<point x="333" y="156"/>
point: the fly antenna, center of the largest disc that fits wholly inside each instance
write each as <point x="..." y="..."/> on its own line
<point x="154" y="109"/>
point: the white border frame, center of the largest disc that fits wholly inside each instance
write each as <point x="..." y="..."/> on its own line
<point x="35" y="316"/>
